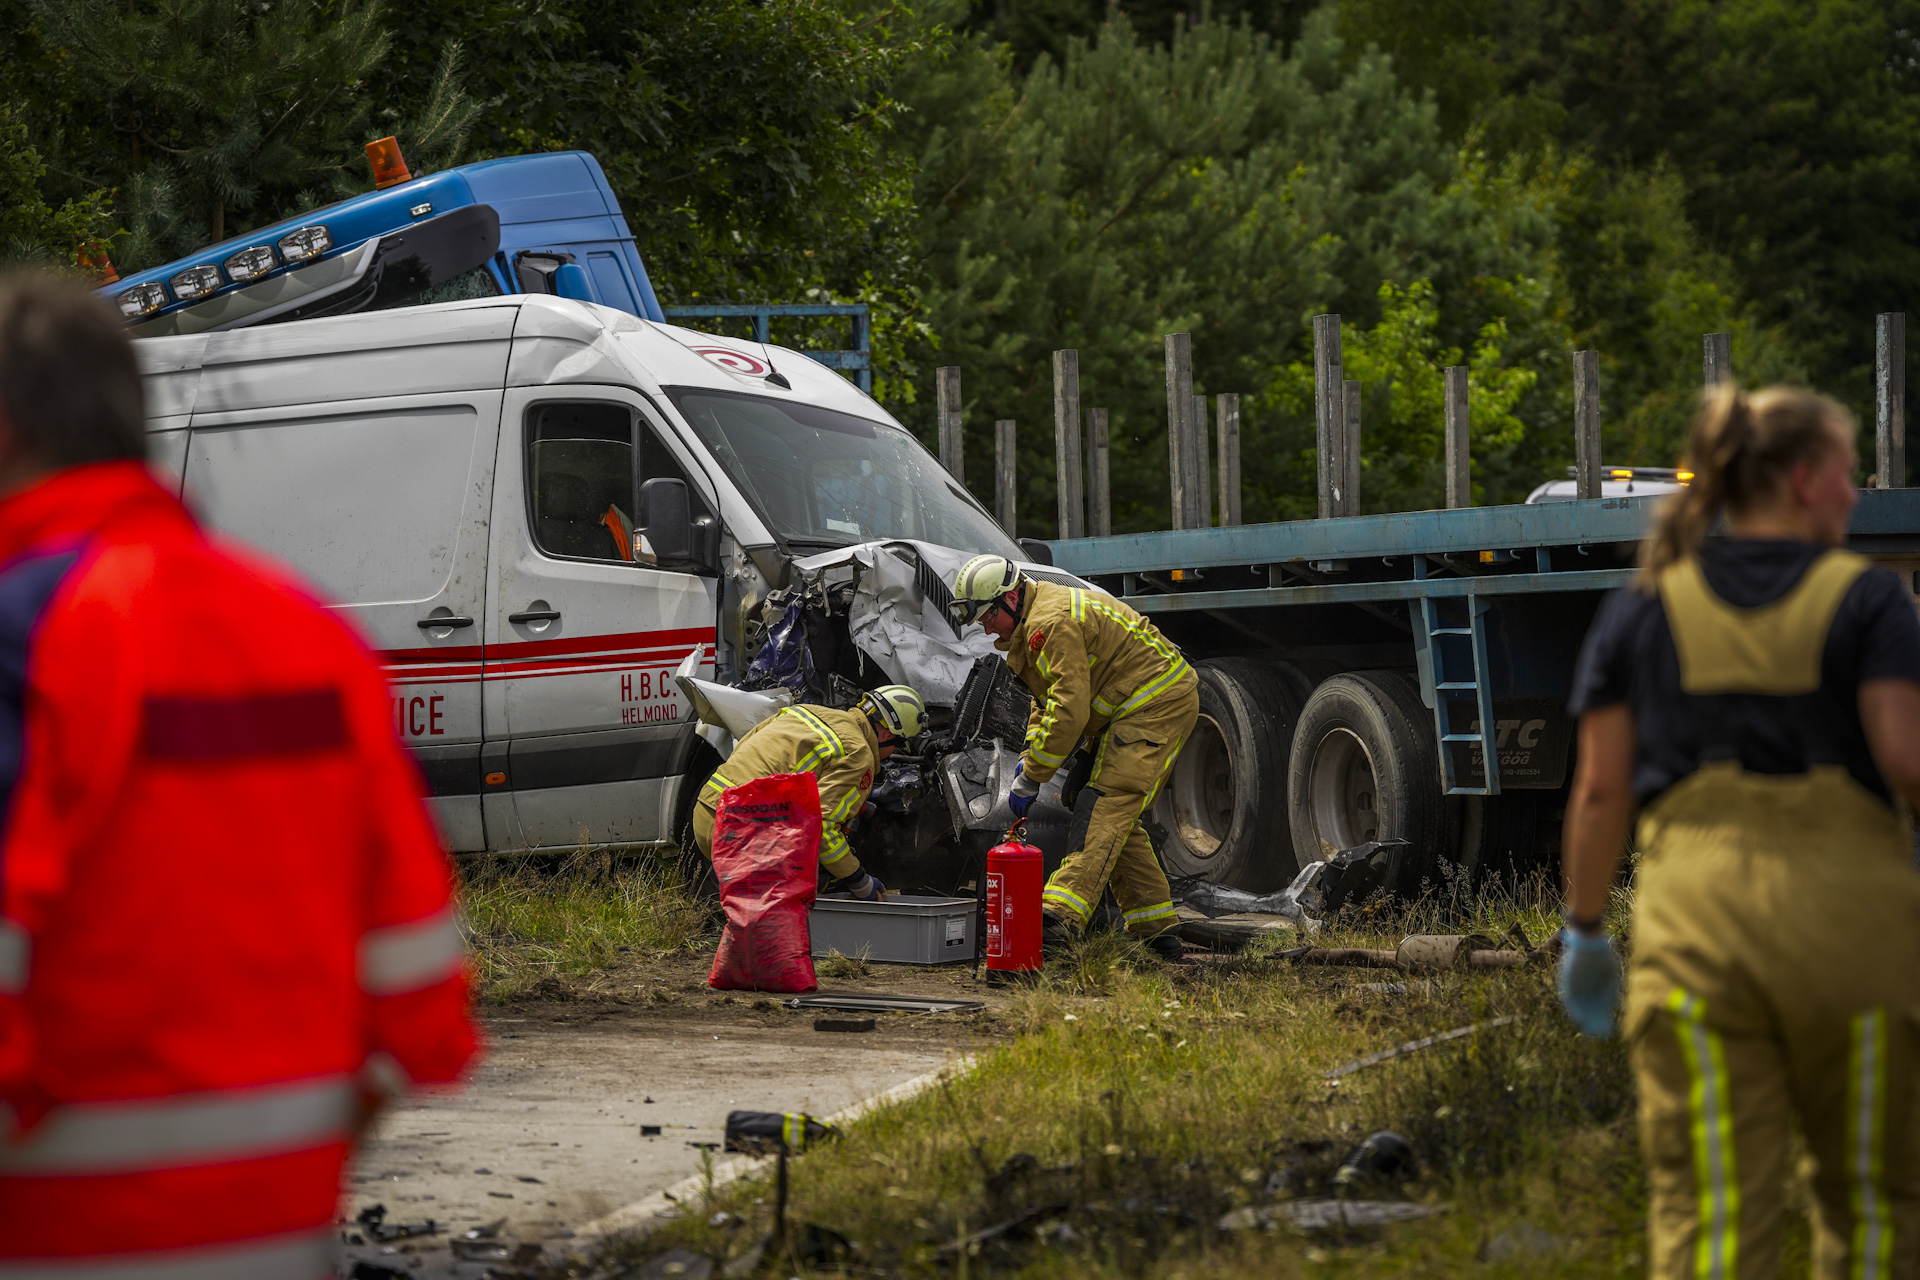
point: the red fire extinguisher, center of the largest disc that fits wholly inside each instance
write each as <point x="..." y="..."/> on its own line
<point x="1014" y="878"/>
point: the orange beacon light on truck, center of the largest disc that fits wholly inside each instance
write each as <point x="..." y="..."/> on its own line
<point x="389" y="168"/>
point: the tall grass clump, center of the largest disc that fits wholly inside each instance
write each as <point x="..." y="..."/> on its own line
<point x="526" y="923"/>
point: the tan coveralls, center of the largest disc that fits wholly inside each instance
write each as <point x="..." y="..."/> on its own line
<point x="839" y="748"/>
<point x="1098" y="669"/>
<point x="1776" y="950"/>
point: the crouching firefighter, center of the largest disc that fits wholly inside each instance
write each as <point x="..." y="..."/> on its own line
<point x="1099" y="672"/>
<point x="841" y="749"/>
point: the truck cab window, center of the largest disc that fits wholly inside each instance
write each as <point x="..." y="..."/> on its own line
<point x="581" y="479"/>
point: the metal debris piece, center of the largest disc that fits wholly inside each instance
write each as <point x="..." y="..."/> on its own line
<point x="853" y="1002"/>
<point x="1323" y="1215"/>
<point x="649" y="1130"/>
<point x="677" y="1264"/>
<point x="1413" y="1046"/>
<point x="998" y="1229"/>
<point x="762" y="1132"/>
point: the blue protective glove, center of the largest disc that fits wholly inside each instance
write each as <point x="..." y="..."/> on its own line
<point x="868" y="888"/>
<point x="1023" y="792"/>
<point x="1589" y="981"/>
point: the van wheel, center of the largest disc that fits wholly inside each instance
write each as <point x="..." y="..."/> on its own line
<point x="1222" y="814"/>
<point x="1364" y="766"/>
<point x="696" y="872"/>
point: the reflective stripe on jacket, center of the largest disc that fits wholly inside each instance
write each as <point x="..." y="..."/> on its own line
<point x="839" y="748"/>
<point x="223" y="910"/>
<point x="1089" y="660"/>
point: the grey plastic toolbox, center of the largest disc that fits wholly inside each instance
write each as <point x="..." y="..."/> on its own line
<point x="905" y="929"/>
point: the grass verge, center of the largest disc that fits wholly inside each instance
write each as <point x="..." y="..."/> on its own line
<point x="527" y="927"/>
<point x="1142" y="1107"/>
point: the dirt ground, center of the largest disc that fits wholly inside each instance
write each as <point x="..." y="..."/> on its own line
<point x="548" y="1134"/>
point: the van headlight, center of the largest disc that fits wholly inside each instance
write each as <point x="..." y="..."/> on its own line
<point x="141" y="300"/>
<point x="250" y="263"/>
<point x="196" y="282"/>
<point x="305" y="244"/>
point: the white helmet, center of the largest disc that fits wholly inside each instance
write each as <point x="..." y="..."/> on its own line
<point x="981" y="582"/>
<point x="897" y="707"/>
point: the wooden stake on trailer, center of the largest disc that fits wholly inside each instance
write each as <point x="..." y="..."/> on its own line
<point x="1329" y="415"/>
<point x="1099" y="484"/>
<point x="1459" y="477"/>
<point x="947" y="402"/>
<point x="1202" y="464"/>
<point x="1228" y="406"/>
<point x="1003" y="474"/>
<point x="1350" y="449"/>
<point x="1586" y="424"/>
<point x="1070" y="500"/>
<point x="1179" y="423"/>
<point x="1716" y="359"/>
<point x="1890" y="400"/>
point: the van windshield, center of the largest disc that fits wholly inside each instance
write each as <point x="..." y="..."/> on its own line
<point x="828" y="479"/>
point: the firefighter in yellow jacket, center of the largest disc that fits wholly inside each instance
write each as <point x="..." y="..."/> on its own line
<point x="1756" y="698"/>
<point x="842" y="749"/>
<point x="1101" y="672"/>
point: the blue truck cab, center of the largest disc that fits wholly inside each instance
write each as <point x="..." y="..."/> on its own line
<point x="546" y="223"/>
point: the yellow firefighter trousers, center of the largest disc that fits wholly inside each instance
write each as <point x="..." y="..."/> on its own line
<point x="1776" y="965"/>
<point x="1107" y="842"/>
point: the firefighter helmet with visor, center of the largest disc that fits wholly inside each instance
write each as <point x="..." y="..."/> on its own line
<point x="898" y="708"/>
<point x="980" y="585"/>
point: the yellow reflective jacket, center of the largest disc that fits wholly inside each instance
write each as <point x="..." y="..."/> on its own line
<point x="1089" y="660"/>
<point x="839" y="748"/>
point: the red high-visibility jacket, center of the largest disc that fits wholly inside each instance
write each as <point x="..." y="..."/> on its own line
<point x="223" y="910"/>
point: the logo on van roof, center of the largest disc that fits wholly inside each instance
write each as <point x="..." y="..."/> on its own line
<point x="735" y="361"/>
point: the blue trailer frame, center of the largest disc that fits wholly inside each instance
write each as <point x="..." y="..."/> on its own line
<point x="1449" y="570"/>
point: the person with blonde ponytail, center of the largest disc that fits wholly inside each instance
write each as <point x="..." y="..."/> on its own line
<point x="1755" y="698"/>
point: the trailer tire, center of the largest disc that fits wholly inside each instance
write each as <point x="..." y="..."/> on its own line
<point x="1222" y="814"/>
<point x="1364" y="766"/>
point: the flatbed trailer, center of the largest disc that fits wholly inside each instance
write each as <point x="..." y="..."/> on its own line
<point x="1357" y="673"/>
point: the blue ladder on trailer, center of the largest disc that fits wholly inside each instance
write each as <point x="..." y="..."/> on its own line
<point x="1447" y="689"/>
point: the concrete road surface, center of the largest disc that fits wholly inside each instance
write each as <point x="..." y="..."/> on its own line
<point x="548" y="1136"/>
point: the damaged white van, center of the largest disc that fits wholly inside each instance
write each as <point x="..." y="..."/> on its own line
<point x="537" y="509"/>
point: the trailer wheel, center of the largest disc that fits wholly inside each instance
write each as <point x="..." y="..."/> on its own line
<point x="1364" y="767"/>
<point x="1222" y="813"/>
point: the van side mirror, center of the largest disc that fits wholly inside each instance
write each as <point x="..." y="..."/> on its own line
<point x="678" y="540"/>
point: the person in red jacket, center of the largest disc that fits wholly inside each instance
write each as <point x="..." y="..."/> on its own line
<point x="226" y="925"/>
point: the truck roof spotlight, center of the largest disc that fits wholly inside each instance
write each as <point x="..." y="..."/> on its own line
<point x="141" y="300"/>
<point x="305" y="244"/>
<point x="251" y="263"/>
<point x="196" y="282"/>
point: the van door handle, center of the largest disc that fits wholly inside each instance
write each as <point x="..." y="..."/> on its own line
<point x="453" y="620"/>
<point x="535" y="615"/>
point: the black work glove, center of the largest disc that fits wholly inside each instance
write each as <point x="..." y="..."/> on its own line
<point x="1079" y="772"/>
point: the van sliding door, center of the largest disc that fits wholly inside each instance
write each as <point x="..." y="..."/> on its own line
<point x="582" y="632"/>
<point x="382" y="505"/>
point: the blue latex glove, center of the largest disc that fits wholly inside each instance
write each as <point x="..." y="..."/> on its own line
<point x="1589" y="981"/>
<point x="868" y="888"/>
<point x="1023" y="792"/>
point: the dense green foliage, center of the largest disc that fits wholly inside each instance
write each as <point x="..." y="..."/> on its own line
<point x="1493" y="182"/>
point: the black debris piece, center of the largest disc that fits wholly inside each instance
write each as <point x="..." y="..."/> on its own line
<point x="374" y="1271"/>
<point x="1384" y="1155"/>
<point x="1017" y="1166"/>
<point x="372" y="1220"/>
<point x="843" y="1024"/>
<point x="1352" y="876"/>
<point x="649" y="1130"/>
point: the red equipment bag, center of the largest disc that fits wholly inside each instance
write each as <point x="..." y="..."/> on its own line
<point x="766" y="856"/>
